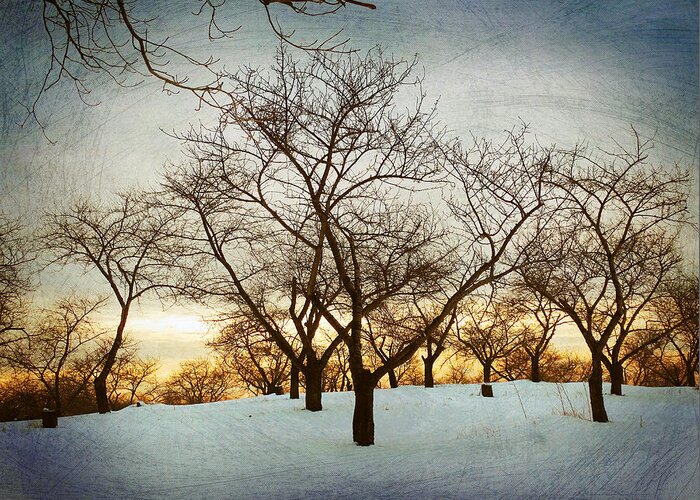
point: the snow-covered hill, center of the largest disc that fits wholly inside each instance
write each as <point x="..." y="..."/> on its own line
<point x="446" y="442"/>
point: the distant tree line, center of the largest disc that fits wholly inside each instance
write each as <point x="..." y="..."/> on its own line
<point x="345" y="239"/>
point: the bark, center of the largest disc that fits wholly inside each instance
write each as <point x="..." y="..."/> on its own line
<point x="314" y="386"/>
<point x="58" y="405"/>
<point x="101" y="394"/>
<point x="616" y="378"/>
<point x="595" y="389"/>
<point x="294" y="383"/>
<point x="690" y="375"/>
<point x="57" y="396"/>
<point x="393" y="381"/>
<point x="428" y="379"/>
<point x="49" y="419"/>
<point x="487" y="373"/>
<point x="535" y="374"/>
<point x="101" y="379"/>
<point x="363" y="416"/>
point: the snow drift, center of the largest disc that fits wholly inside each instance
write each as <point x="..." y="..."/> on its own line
<point x="529" y="441"/>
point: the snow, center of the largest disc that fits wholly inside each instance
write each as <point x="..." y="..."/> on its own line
<point x="446" y="442"/>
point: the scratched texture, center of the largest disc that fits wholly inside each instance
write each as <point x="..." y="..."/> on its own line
<point x="574" y="70"/>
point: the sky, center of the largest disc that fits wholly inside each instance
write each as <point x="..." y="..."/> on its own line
<point x="575" y="71"/>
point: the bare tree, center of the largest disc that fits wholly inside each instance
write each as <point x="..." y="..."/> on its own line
<point x="607" y="205"/>
<point x="457" y="368"/>
<point x="22" y="397"/>
<point x="125" y="41"/>
<point x="538" y="335"/>
<point x="388" y="330"/>
<point x="125" y="242"/>
<point x="490" y="330"/>
<point x="336" y="375"/>
<point x="47" y="350"/>
<point x="132" y="378"/>
<point x="253" y="270"/>
<point x="248" y="178"/>
<point x="320" y="153"/>
<point x="15" y="282"/>
<point x="436" y="340"/>
<point x="497" y="203"/>
<point x="258" y="362"/>
<point x="554" y="366"/>
<point x="649" y="264"/>
<point x="676" y="311"/>
<point x="198" y="381"/>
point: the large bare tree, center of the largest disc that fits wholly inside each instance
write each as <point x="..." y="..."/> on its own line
<point x="608" y="205"/>
<point x="303" y="166"/>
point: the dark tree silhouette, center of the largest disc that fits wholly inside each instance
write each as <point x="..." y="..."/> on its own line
<point x="322" y="141"/>
<point x="649" y="262"/>
<point x="436" y="341"/>
<point x="607" y="206"/>
<point x="249" y="352"/>
<point x="336" y="375"/>
<point x="128" y="41"/>
<point x="132" y="378"/>
<point x="126" y="242"/>
<point x="198" y="381"/>
<point x="676" y="311"/>
<point x="489" y="329"/>
<point x="538" y="334"/>
<point x="47" y="349"/>
<point x="15" y="279"/>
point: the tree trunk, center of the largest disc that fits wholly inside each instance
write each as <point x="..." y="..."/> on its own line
<point x="101" y="379"/>
<point x="428" y="379"/>
<point x="294" y="383"/>
<point x="487" y="373"/>
<point x="616" y="378"/>
<point x="314" y="386"/>
<point x="690" y="376"/>
<point x="363" y="416"/>
<point x="393" y="381"/>
<point x="535" y="375"/>
<point x="101" y="394"/>
<point x="595" y="389"/>
<point x="57" y="396"/>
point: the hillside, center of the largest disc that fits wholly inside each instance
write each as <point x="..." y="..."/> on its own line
<point x="446" y="442"/>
